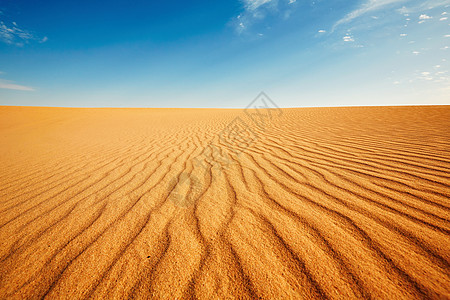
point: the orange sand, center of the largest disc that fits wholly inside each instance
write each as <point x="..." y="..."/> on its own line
<point x="170" y="203"/>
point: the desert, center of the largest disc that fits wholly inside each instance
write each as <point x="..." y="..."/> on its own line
<point x="303" y="203"/>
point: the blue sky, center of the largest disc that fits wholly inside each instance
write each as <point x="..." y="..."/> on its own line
<point x="223" y="53"/>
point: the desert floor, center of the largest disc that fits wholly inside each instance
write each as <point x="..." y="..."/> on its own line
<point x="201" y="203"/>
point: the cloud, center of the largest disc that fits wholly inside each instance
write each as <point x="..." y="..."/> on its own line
<point x="253" y="10"/>
<point x="13" y="35"/>
<point x="255" y="4"/>
<point x="256" y="11"/>
<point x="322" y="31"/>
<point x="437" y="76"/>
<point x="443" y="19"/>
<point x="374" y="5"/>
<point x="425" y="17"/>
<point x="348" y="38"/>
<point x="10" y="85"/>
<point x="368" y="6"/>
<point x="424" y="5"/>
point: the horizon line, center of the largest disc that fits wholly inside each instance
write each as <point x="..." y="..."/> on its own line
<point x="224" y="108"/>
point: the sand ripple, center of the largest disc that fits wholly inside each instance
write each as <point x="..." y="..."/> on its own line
<point x="201" y="203"/>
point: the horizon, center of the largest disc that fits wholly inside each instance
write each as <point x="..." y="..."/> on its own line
<point x="222" y="108"/>
<point x="223" y="54"/>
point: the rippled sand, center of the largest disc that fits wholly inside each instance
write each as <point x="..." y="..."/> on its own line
<point x="208" y="203"/>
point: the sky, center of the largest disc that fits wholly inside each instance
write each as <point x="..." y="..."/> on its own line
<point x="301" y="53"/>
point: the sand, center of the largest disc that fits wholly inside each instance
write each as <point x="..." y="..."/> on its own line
<point x="304" y="203"/>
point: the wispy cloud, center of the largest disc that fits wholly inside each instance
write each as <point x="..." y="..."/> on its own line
<point x="10" y="85"/>
<point x="14" y="35"/>
<point x="254" y="4"/>
<point x="421" y="6"/>
<point x="368" y="6"/>
<point x="374" y="5"/>
<point x="256" y="11"/>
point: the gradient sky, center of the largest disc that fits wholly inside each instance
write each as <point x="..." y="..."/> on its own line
<point x="223" y="53"/>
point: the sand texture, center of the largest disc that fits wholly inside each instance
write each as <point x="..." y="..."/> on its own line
<point x="311" y="203"/>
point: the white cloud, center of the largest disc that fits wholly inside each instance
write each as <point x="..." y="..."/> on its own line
<point x="430" y="77"/>
<point x="368" y="6"/>
<point x="424" y="17"/>
<point x="348" y="38"/>
<point x="403" y="34"/>
<point x="443" y="19"/>
<point x="322" y="31"/>
<point x="255" y="11"/>
<point x="6" y="84"/>
<point x="44" y="39"/>
<point x="416" y="52"/>
<point x="424" y="5"/>
<point x="254" y="4"/>
<point x="444" y="13"/>
<point x="426" y="76"/>
<point x="251" y="13"/>
<point x="14" y="35"/>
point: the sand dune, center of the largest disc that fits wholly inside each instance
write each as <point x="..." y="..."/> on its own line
<point x="201" y="203"/>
